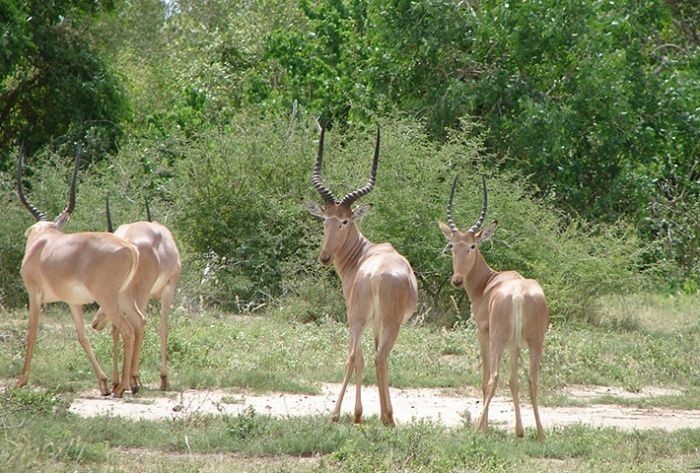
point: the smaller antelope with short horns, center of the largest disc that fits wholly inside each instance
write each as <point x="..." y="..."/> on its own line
<point x="510" y="312"/>
<point x="379" y="286"/>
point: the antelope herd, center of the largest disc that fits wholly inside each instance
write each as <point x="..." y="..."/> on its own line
<point x="122" y="270"/>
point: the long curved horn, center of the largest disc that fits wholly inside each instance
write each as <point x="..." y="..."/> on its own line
<point x="38" y="215"/>
<point x="110" y="228"/>
<point x="356" y="194"/>
<point x="316" y="174"/>
<point x="475" y="228"/>
<point x="451" y="222"/>
<point x="148" y="210"/>
<point x="68" y="211"/>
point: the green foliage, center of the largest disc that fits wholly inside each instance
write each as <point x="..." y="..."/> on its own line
<point x="54" y="86"/>
<point x="234" y="198"/>
<point x="594" y="101"/>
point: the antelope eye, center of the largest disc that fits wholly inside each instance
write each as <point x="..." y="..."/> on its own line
<point x="472" y="247"/>
<point x="345" y="222"/>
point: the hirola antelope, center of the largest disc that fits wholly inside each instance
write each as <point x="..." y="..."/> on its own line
<point x="157" y="274"/>
<point x="379" y="286"/>
<point x="77" y="269"/>
<point x="510" y="311"/>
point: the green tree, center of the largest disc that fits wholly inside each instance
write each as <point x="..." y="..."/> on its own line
<point x="54" y="87"/>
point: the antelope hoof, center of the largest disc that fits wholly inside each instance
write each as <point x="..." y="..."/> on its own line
<point x="21" y="381"/>
<point x="104" y="390"/>
<point x="335" y="417"/>
<point x="358" y="418"/>
<point x="520" y="433"/>
<point x="119" y="391"/>
<point x="389" y="421"/>
<point x="164" y="382"/>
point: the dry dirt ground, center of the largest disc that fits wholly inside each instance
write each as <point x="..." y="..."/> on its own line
<point x="449" y="407"/>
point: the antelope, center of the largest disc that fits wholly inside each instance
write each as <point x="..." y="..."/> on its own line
<point x="509" y="310"/>
<point x="157" y="274"/>
<point x="379" y="286"/>
<point x="78" y="269"/>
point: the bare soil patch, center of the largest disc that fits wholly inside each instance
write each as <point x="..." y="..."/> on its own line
<point x="449" y="407"/>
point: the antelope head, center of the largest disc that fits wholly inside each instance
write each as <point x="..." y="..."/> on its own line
<point x="42" y="222"/>
<point x="465" y="245"/>
<point x="338" y="215"/>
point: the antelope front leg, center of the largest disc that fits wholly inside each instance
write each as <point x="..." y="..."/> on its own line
<point x="136" y="359"/>
<point x="115" y="357"/>
<point x="77" y="312"/>
<point x="495" y="360"/>
<point x="34" y="310"/>
<point x="484" y="348"/>
<point x="355" y="340"/>
<point x="166" y="301"/>
<point x="129" y="337"/>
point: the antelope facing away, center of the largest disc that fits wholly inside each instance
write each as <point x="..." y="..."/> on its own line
<point x="379" y="286"/>
<point x="78" y="269"/>
<point x="157" y="274"/>
<point x="510" y="312"/>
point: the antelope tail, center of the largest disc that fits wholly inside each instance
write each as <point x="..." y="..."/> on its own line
<point x="134" y="266"/>
<point x="518" y="320"/>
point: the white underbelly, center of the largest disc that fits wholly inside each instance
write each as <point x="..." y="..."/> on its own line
<point x="75" y="293"/>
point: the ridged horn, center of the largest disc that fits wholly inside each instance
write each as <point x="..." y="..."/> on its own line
<point x="110" y="228"/>
<point x="148" y="210"/>
<point x="38" y="215"/>
<point x="451" y="222"/>
<point x="356" y="194"/>
<point x="475" y="228"/>
<point x="68" y="211"/>
<point x="325" y="193"/>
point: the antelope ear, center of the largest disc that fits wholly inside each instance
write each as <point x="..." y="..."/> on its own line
<point x="446" y="230"/>
<point x="361" y="211"/>
<point x="313" y="208"/>
<point x="487" y="232"/>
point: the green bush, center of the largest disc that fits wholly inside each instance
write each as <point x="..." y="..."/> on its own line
<point x="239" y="199"/>
<point x="233" y="196"/>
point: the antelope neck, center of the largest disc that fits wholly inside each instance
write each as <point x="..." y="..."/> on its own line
<point x="347" y="258"/>
<point x="478" y="277"/>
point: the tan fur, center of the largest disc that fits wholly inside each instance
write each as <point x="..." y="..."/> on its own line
<point x="78" y="269"/>
<point x="510" y="311"/>
<point x="380" y="290"/>
<point x="158" y="272"/>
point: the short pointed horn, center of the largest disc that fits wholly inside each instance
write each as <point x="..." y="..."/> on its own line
<point x="325" y="193"/>
<point x="38" y="215"/>
<point x="68" y="211"/>
<point x="148" y="210"/>
<point x="475" y="228"/>
<point x="356" y="194"/>
<point x="110" y="228"/>
<point x="451" y="222"/>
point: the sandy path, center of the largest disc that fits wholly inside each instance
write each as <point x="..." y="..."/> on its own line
<point x="448" y="408"/>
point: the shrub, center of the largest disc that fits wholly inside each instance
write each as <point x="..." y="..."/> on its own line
<point x="233" y="196"/>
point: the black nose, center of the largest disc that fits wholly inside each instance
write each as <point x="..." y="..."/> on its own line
<point x="457" y="281"/>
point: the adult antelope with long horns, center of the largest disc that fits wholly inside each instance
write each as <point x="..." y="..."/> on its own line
<point x="78" y="269"/>
<point x="510" y="311"/>
<point x="379" y="286"/>
<point x="156" y="277"/>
